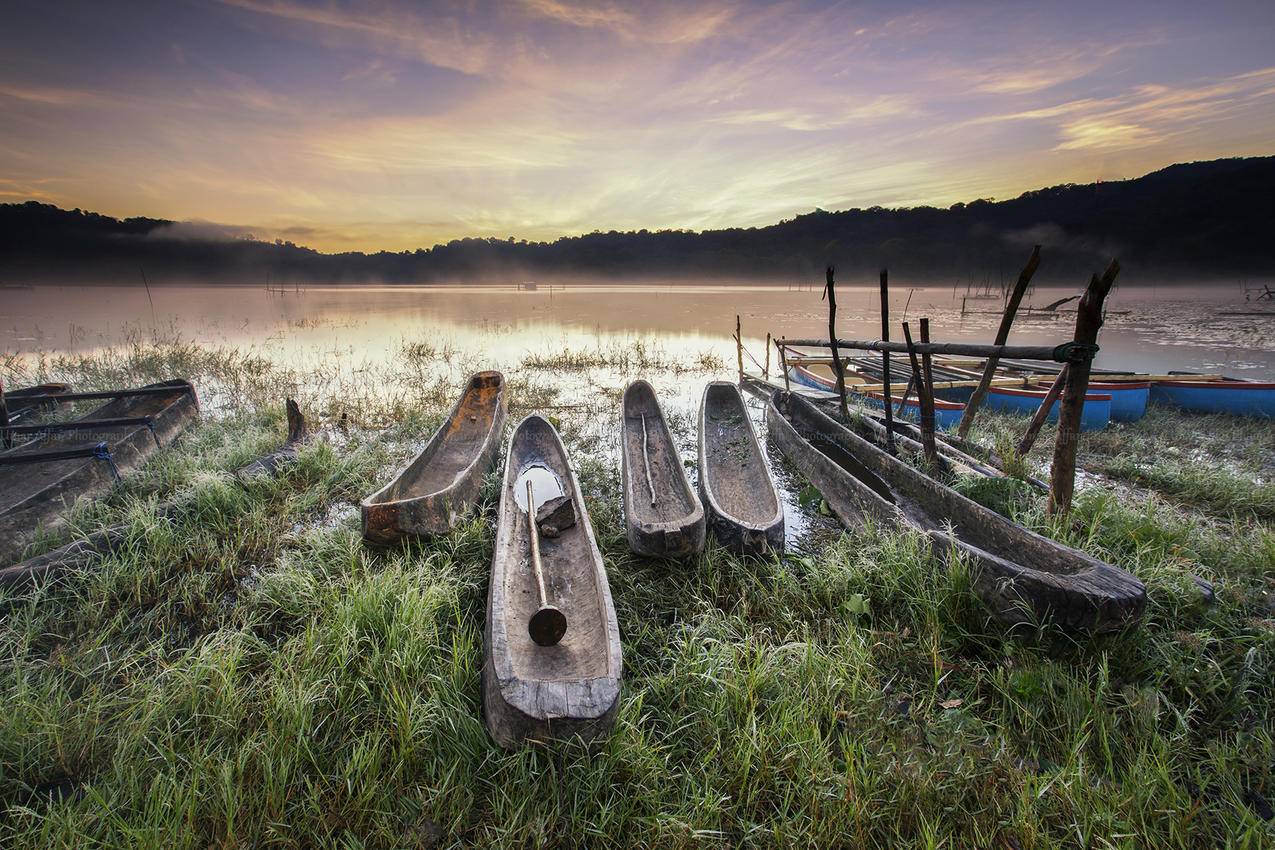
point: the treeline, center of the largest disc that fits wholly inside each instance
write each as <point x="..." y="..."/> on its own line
<point x="1204" y="220"/>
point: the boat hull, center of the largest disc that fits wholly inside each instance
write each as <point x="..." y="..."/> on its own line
<point x="537" y="693"/>
<point x="738" y="492"/>
<point x="668" y="522"/>
<point x="38" y="495"/>
<point x="947" y="411"/>
<point x="1024" y="578"/>
<point x="1128" y="400"/>
<point x="438" y="489"/>
<point x="1094" y="415"/>
<point x="1239" y="398"/>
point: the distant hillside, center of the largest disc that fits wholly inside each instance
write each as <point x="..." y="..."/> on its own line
<point x="1204" y="220"/>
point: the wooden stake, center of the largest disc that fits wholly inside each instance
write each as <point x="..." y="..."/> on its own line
<point x="783" y="364"/>
<point x="925" y="394"/>
<point x="4" y="419"/>
<point x="739" y="349"/>
<point x="1062" y="473"/>
<point x="927" y="435"/>
<point x="830" y="292"/>
<point x="765" y="371"/>
<point x="1042" y="413"/>
<point x="1002" y="334"/>
<point x="885" y="360"/>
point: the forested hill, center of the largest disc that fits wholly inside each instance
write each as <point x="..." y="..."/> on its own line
<point x="1203" y="220"/>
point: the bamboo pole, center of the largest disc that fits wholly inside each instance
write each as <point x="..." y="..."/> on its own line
<point x="1042" y="413"/>
<point x="885" y="361"/>
<point x="6" y="440"/>
<point x="830" y="292"/>
<point x="1062" y="473"/>
<point x="739" y="350"/>
<point x="927" y="429"/>
<point x="1068" y="352"/>
<point x="925" y="390"/>
<point x="1002" y="335"/>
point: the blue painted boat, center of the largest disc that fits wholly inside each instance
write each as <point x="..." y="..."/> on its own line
<point x="1241" y="398"/>
<point x="947" y="414"/>
<point x="1128" y="400"/>
<point x="1094" y="416"/>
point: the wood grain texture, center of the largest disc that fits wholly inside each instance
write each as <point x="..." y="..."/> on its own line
<point x="1023" y="577"/>
<point x="669" y="523"/>
<point x="441" y="485"/>
<point x="537" y="693"/>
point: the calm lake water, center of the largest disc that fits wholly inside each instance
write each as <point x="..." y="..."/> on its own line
<point x="1164" y="328"/>
<point x="354" y="330"/>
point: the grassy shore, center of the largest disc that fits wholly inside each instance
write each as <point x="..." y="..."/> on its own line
<point x="247" y="674"/>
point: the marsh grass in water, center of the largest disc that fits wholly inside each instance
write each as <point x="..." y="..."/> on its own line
<point x="246" y="673"/>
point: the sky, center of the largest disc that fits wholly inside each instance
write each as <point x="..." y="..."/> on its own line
<point x="396" y="125"/>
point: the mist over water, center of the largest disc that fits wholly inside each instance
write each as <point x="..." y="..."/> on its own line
<point x="1164" y="328"/>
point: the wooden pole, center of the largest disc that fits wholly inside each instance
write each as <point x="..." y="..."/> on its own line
<point x="1002" y="335"/>
<point x="830" y="292"/>
<point x="739" y="350"/>
<point x="907" y="391"/>
<point x="1067" y="352"/>
<point x="783" y="364"/>
<point x="765" y="370"/>
<point x="1042" y="413"/>
<point x="4" y="419"/>
<point x="925" y="392"/>
<point x="1062" y="473"/>
<point x="927" y="434"/>
<point x="885" y="361"/>
<point x="548" y="624"/>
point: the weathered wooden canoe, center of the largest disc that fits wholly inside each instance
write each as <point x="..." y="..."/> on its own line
<point x="20" y="404"/>
<point x="1022" y="576"/>
<point x="662" y="515"/>
<point x="440" y="486"/>
<point x="84" y="551"/>
<point x="41" y="479"/>
<point x="533" y="692"/>
<point x="739" y="494"/>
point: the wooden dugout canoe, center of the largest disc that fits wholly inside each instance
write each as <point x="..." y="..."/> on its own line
<point x="443" y="482"/>
<point x="740" y="498"/>
<point x="37" y="494"/>
<point x="662" y="515"/>
<point x="20" y="406"/>
<point x="533" y="692"/>
<point x="84" y="551"/>
<point x="1022" y="576"/>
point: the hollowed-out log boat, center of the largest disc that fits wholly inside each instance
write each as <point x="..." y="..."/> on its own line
<point x="662" y="515"/>
<point x="740" y="498"/>
<point x="1022" y="576"/>
<point x="41" y="479"/>
<point x="534" y="692"/>
<point x="83" y="551"/>
<point x="21" y="403"/>
<point x="443" y="482"/>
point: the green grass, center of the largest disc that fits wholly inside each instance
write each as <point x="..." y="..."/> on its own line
<point x="248" y="674"/>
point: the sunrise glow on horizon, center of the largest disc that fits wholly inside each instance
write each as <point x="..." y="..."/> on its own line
<point x="399" y="125"/>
